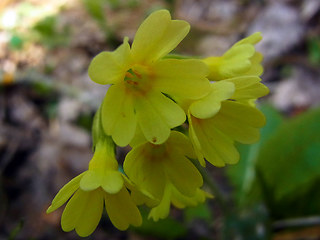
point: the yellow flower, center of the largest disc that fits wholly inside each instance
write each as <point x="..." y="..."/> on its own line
<point x="223" y="117"/>
<point x="140" y="75"/>
<point x="241" y="59"/>
<point x="102" y="185"/>
<point x="151" y="167"/>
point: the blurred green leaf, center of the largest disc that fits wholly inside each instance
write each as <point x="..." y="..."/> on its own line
<point x="242" y="175"/>
<point x="16" y="230"/>
<point x="114" y="4"/>
<point x="16" y="42"/>
<point x="201" y="211"/>
<point x="49" y="34"/>
<point x="289" y="163"/>
<point x="85" y="121"/>
<point x="288" y="167"/>
<point x="314" y="50"/>
<point x="168" y="228"/>
<point x="95" y="9"/>
<point x="46" y="26"/>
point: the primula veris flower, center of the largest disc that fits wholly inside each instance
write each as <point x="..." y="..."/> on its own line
<point x="140" y="75"/>
<point x="102" y="185"/>
<point x="240" y="60"/>
<point x="225" y="116"/>
<point x="152" y="167"/>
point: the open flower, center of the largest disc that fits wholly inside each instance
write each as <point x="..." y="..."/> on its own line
<point x="241" y="59"/>
<point x="140" y="75"/>
<point x="102" y="185"/>
<point x="151" y="167"/>
<point x="223" y="117"/>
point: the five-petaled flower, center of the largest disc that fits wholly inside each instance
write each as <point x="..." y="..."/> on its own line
<point x="101" y="185"/>
<point x="140" y="76"/>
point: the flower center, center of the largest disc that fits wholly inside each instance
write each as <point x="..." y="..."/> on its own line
<point x="133" y="77"/>
<point x="139" y="77"/>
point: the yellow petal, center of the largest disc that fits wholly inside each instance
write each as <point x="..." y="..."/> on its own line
<point x="90" y="181"/>
<point x="121" y="210"/>
<point x="145" y="169"/>
<point x="118" y="118"/>
<point x="73" y="210"/>
<point x="156" y="115"/>
<point x="65" y="193"/>
<point x="239" y="52"/>
<point x="91" y="214"/>
<point x="162" y="210"/>
<point x="208" y="106"/>
<point x="239" y="121"/>
<point x="181" y="201"/>
<point x="216" y="147"/>
<point x="195" y="142"/>
<point x="252" y="39"/>
<point x="83" y="212"/>
<point x="112" y="182"/>
<point x="138" y="138"/>
<point x="110" y="67"/>
<point x="256" y="68"/>
<point x="248" y="87"/>
<point x="157" y="36"/>
<point x="243" y="113"/>
<point x="182" y="78"/>
<point x="182" y="173"/>
<point x="181" y="143"/>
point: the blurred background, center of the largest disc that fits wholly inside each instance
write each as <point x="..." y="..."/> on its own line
<point x="47" y="102"/>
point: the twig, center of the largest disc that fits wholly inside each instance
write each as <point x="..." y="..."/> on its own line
<point x="296" y="222"/>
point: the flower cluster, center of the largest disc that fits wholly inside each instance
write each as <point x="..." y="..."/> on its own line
<point x="151" y="94"/>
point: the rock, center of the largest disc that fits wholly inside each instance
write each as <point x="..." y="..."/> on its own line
<point x="309" y="9"/>
<point x="301" y="90"/>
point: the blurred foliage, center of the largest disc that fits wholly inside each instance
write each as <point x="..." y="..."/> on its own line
<point x="16" y="42"/>
<point x="49" y="34"/>
<point x="283" y="169"/>
<point x="168" y="228"/>
<point x="85" y="121"/>
<point x="14" y="233"/>
<point x="314" y="50"/>
<point x="96" y="9"/>
<point x="251" y="223"/>
<point x="201" y="211"/>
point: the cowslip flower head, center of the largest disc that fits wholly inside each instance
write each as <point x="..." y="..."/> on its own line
<point x="101" y="185"/>
<point x="140" y="76"/>
<point x="152" y="167"/>
<point x="241" y="59"/>
<point x="223" y="117"/>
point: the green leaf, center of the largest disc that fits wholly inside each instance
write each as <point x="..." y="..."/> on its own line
<point x="201" y="211"/>
<point x="168" y="228"/>
<point x="288" y="166"/>
<point x="95" y="9"/>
